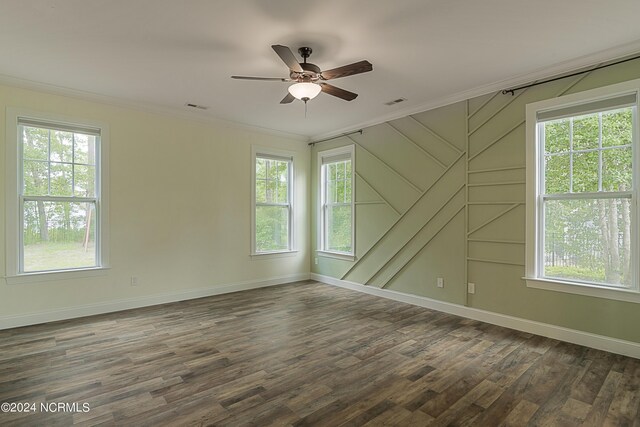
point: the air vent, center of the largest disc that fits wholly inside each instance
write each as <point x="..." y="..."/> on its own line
<point x="199" y="107"/>
<point x="395" y="101"/>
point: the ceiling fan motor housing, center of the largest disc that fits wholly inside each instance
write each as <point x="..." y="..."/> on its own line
<point x="310" y="73"/>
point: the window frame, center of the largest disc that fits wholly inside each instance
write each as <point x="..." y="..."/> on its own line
<point x="322" y="250"/>
<point x="535" y="183"/>
<point x="281" y="155"/>
<point x="14" y="199"/>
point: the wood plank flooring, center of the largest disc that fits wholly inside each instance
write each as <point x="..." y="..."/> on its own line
<point x="308" y="354"/>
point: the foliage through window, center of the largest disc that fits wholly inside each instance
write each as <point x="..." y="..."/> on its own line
<point x="58" y="197"/>
<point x="337" y="201"/>
<point x="586" y="221"/>
<point x="273" y="208"/>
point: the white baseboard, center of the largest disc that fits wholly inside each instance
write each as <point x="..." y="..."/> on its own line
<point x="7" y="322"/>
<point x="600" y="342"/>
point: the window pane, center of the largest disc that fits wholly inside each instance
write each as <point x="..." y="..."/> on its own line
<point x="261" y="168"/>
<point x="588" y="240"/>
<point x="271" y="187"/>
<point x="272" y="228"/>
<point x="331" y="191"/>
<point x="339" y="228"/>
<point x="84" y="181"/>
<point x="586" y="132"/>
<point x="585" y="172"/>
<point x="557" y="174"/>
<point x="340" y="190"/>
<point x="59" y="235"/>
<point x="339" y="170"/>
<point x="617" y="127"/>
<point x="261" y="191"/>
<point x="617" y="169"/>
<point x="36" y="178"/>
<point x="61" y="179"/>
<point x="61" y="146"/>
<point x="556" y="136"/>
<point x="84" y="149"/>
<point x="283" y="185"/>
<point x="36" y="143"/>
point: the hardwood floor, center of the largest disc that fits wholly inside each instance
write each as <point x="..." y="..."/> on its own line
<point x="308" y="354"/>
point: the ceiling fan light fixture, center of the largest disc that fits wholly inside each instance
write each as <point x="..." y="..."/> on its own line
<point x="305" y="91"/>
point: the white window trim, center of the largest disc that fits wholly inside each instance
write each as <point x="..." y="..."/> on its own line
<point x="321" y="251"/>
<point x="283" y="155"/>
<point x="12" y="180"/>
<point x="532" y="277"/>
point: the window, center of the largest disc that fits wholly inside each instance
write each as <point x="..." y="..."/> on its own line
<point x="336" y="201"/>
<point x="272" y="199"/>
<point x="55" y="193"/>
<point x="582" y="166"/>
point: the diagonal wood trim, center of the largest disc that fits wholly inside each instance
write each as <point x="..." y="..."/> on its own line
<point x="395" y="172"/>
<point x="495" y="261"/>
<point x="492" y="184"/>
<point x="402" y="216"/>
<point x="415" y="144"/>
<point x="386" y="282"/>
<point x="484" y="104"/>
<point x="484" y="224"/>
<point x="506" y="168"/>
<point x="506" y="242"/>
<point x="377" y="192"/>
<point x="393" y="255"/>
<point x="435" y="135"/>
<point x="497" y="112"/>
<point x="372" y="202"/>
<point x="578" y="80"/>
<point x="504" y="202"/>
<point x="562" y="92"/>
<point x="495" y="141"/>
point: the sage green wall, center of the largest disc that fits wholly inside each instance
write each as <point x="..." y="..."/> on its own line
<point x="427" y="207"/>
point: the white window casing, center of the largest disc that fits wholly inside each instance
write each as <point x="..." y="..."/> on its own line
<point x="325" y="158"/>
<point x="600" y="100"/>
<point x="266" y="153"/>
<point x="16" y="196"/>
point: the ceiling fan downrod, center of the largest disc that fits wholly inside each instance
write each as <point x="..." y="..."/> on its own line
<point x="305" y="52"/>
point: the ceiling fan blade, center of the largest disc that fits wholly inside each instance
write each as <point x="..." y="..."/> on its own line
<point x="287" y="57"/>
<point x="336" y="91"/>
<point x="287" y="99"/>
<point x="347" y="70"/>
<point x="269" y="79"/>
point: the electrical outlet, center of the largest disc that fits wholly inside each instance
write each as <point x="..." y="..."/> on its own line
<point x="134" y="281"/>
<point x="471" y="288"/>
<point x="440" y="282"/>
<point x="315" y="260"/>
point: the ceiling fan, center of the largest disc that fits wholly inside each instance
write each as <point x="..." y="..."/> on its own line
<point x="309" y="79"/>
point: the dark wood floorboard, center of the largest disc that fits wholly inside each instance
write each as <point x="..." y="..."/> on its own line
<point x="308" y="354"/>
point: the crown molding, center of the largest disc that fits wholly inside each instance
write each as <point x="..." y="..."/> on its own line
<point x="172" y="112"/>
<point x="564" y="67"/>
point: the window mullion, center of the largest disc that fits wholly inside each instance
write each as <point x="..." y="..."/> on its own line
<point x="599" y="151"/>
<point x="49" y="162"/>
<point x="588" y="196"/>
<point x="571" y="155"/>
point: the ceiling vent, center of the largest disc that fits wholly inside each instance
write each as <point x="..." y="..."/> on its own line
<point x="395" y="101"/>
<point x="199" y="107"/>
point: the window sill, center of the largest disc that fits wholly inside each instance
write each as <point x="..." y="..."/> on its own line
<point x="47" y="276"/>
<point x="628" y="295"/>
<point x="279" y="254"/>
<point x="336" y="255"/>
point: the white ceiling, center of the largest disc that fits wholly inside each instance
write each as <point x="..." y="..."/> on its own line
<point x="164" y="53"/>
